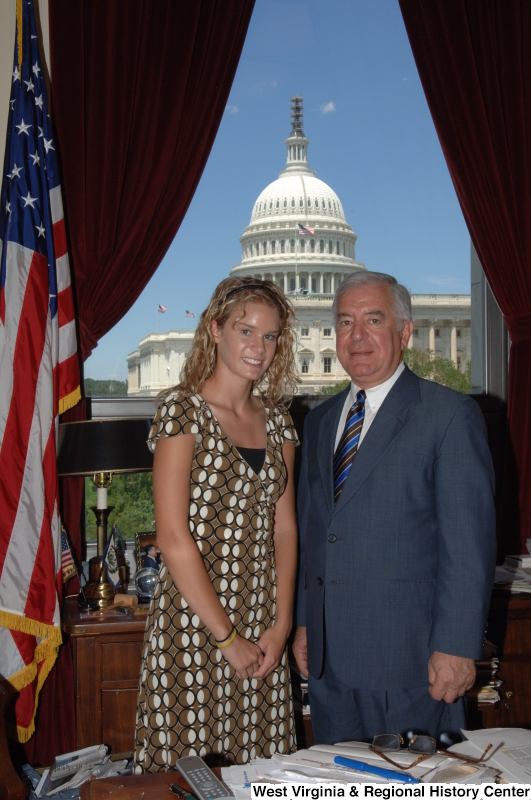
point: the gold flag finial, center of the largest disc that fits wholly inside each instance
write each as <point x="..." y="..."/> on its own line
<point x="19" y="35"/>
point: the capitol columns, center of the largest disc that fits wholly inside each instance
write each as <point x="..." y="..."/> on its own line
<point x="432" y="336"/>
<point x="453" y="343"/>
<point x="321" y="283"/>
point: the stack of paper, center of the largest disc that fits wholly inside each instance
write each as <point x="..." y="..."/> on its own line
<point x="485" y="689"/>
<point x="513" y="579"/>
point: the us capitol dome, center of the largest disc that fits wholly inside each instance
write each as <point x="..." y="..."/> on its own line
<point x="298" y="237"/>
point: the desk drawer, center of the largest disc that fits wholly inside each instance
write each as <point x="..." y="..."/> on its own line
<point x="120" y="661"/>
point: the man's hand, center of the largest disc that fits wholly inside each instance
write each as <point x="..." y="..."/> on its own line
<point x="300" y="650"/>
<point x="450" y="676"/>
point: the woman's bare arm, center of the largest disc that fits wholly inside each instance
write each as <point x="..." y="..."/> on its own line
<point x="273" y="641"/>
<point x="171" y="493"/>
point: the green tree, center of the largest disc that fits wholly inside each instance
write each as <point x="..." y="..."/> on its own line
<point x="132" y="498"/>
<point x="335" y="388"/>
<point x="425" y="364"/>
<point x="104" y="387"/>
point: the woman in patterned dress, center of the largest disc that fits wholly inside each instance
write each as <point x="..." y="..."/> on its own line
<point x="214" y="677"/>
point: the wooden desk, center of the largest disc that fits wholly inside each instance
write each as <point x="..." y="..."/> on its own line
<point x="509" y="627"/>
<point x="154" y="786"/>
<point x="106" y="654"/>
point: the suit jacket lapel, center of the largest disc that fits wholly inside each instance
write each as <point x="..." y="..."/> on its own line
<point x="393" y="416"/>
<point x="326" y="442"/>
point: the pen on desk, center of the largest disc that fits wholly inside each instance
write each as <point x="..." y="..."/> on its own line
<point x="361" y="766"/>
<point x="181" y="792"/>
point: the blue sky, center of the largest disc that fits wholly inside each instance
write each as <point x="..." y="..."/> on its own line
<point x="371" y="139"/>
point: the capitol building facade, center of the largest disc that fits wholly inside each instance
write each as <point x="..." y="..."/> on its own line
<point x="308" y="268"/>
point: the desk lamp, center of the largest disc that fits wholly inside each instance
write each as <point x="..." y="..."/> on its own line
<point x="99" y="449"/>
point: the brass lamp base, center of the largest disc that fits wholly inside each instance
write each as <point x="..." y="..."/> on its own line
<point x="99" y="588"/>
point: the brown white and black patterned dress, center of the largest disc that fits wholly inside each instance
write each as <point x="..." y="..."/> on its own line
<point x="191" y="702"/>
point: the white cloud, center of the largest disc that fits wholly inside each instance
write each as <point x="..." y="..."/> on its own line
<point x="232" y="109"/>
<point x="328" y="108"/>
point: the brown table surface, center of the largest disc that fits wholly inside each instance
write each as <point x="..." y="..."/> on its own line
<point x="154" y="786"/>
<point x="76" y="625"/>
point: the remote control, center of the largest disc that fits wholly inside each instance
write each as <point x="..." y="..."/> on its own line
<point x="204" y="783"/>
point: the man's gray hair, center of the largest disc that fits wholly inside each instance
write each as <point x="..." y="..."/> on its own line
<point x="400" y="295"/>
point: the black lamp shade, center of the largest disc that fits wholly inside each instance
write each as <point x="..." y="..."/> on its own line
<point x="107" y="445"/>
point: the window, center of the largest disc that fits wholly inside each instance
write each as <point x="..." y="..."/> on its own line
<point x="327" y="331"/>
<point x="344" y="252"/>
<point x="293" y="202"/>
<point x="305" y="366"/>
<point x="312" y="246"/>
<point x="327" y="365"/>
<point x="458" y="362"/>
<point x="292" y="245"/>
<point x="337" y="248"/>
<point x="303" y="245"/>
<point x="415" y="331"/>
<point x="282" y="246"/>
<point x="437" y="333"/>
<point x="265" y="248"/>
<point x="292" y="284"/>
<point x="305" y="331"/>
<point x="330" y="205"/>
<point x="314" y="285"/>
<point x="303" y="284"/>
<point x="330" y="246"/>
<point x="278" y="203"/>
<point x="285" y="203"/>
<point x="270" y="205"/>
<point x="458" y="332"/>
<point x="321" y="246"/>
<point x="273" y="246"/>
<point x="309" y="202"/>
<point x="301" y="203"/>
<point x="317" y="202"/>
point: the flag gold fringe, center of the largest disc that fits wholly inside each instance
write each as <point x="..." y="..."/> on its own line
<point x="19" y="36"/>
<point x="70" y="400"/>
<point x="45" y="653"/>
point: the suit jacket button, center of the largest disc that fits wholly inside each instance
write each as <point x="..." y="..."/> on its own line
<point x="319" y="581"/>
<point x="332" y="538"/>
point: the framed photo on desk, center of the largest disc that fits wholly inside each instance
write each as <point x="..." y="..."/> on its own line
<point x="146" y="548"/>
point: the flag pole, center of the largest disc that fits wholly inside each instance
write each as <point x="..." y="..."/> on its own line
<point x="157" y="321"/>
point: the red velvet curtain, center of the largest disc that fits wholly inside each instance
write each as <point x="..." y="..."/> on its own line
<point x="138" y="92"/>
<point x="474" y="61"/>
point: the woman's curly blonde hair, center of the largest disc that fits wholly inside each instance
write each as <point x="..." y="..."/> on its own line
<point x="280" y="381"/>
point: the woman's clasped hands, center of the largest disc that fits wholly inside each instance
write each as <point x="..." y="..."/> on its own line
<point x="258" y="660"/>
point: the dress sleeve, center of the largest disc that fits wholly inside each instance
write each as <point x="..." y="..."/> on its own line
<point x="176" y="415"/>
<point x="285" y="426"/>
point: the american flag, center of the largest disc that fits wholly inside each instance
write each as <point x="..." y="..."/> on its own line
<point x="306" y="230"/>
<point x="190" y="314"/>
<point x="67" y="562"/>
<point x="162" y="309"/>
<point x="39" y="378"/>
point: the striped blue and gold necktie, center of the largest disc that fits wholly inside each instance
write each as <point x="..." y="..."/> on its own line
<point x="348" y="444"/>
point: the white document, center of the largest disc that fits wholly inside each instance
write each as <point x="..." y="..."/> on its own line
<point x="510" y="752"/>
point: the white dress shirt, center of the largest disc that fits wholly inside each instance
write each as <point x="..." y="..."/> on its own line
<point x="373" y="401"/>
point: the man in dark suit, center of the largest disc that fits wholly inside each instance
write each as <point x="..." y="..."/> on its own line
<point x="397" y="534"/>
